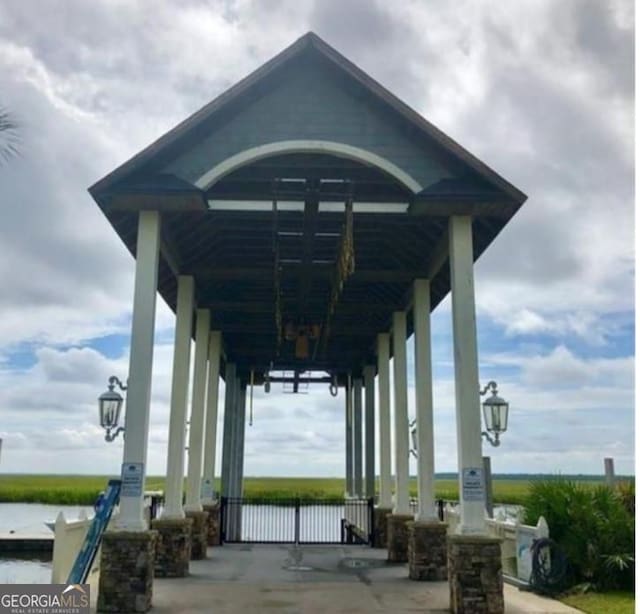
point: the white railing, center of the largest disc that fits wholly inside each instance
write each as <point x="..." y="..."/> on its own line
<point x="69" y="536"/>
<point x="516" y="539"/>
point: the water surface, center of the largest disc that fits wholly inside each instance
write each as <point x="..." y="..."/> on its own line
<point x="28" y="519"/>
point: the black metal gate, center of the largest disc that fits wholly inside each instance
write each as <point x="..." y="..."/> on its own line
<point x="296" y="521"/>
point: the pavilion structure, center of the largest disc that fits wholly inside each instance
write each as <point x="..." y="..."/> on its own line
<point x="306" y="220"/>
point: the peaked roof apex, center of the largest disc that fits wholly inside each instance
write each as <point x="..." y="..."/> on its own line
<point x="306" y="41"/>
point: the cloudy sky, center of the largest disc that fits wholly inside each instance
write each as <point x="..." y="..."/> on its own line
<point x="542" y="91"/>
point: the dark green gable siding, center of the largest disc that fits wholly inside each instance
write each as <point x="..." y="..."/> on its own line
<point x="309" y="102"/>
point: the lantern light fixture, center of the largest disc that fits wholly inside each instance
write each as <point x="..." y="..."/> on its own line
<point x="496" y="414"/>
<point x="495" y="411"/>
<point x="110" y="406"/>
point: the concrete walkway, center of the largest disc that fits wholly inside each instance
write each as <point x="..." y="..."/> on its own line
<point x="313" y="579"/>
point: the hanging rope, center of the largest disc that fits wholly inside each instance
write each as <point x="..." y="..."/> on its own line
<point x="251" y="399"/>
<point x="276" y="268"/>
<point x="548" y="567"/>
<point x="345" y="267"/>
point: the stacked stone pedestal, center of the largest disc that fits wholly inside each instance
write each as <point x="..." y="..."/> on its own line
<point x="126" y="571"/>
<point x="173" y="547"/>
<point x="199" y="534"/>
<point x="427" y="550"/>
<point x="397" y="537"/>
<point x="213" y="523"/>
<point x="475" y="574"/>
<point x="380" y="526"/>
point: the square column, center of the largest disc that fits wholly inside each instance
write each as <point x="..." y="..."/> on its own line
<point x="227" y="435"/>
<point x="384" y="401"/>
<point x="211" y="425"/>
<point x="233" y="517"/>
<point x="470" y="467"/>
<point x="357" y="438"/>
<point x="424" y="399"/>
<point x="131" y="516"/>
<point x="474" y="558"/>
<point x="348" y="430"/>
<point x="401" y="412"/>
<point x="475" y="574"/>
<point x="369" y="432"/>
<point x="196" y="425"/>
<point x="209" y="496"/>
<point x="397" y="529"/>
<point x="239" y="432"/>
<point x="128" y="550"/>
<point x="427" y="552"/>
<point x="173" y="545"/>
<point x="179" y="394"/>
<point x="126" y="571"/>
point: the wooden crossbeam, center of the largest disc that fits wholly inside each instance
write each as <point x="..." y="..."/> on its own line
<point x="323" y="270"/>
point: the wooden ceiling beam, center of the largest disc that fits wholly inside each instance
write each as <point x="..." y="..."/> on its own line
<point x="317" y="270"/>
<point x="252" y="307"/>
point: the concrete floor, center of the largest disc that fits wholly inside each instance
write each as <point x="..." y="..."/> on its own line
<point x="313" y="579"/>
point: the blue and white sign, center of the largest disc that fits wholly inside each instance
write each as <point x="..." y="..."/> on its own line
<point x="206" y="490"/>
<point x="132" y="479"/>
<point x="473" y="484"/>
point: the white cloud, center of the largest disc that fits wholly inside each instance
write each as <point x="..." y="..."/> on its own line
<point x="544" y="94"/>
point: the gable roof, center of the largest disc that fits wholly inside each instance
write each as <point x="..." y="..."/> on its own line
<point x="309" y="43"/>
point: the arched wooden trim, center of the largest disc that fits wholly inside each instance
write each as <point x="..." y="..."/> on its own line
<point x="305" y="146"/>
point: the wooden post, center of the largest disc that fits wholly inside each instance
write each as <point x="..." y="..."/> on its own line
<point x="609" y="473"/>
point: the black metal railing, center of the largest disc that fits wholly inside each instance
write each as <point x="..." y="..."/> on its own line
<point x="440" y="505"/>
<point x="296" y="520"/>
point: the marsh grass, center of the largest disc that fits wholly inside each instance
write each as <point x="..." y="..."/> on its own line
<point x="83" y="489"/>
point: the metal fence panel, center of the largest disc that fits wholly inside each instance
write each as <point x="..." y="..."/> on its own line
<point x="294" y="520"/>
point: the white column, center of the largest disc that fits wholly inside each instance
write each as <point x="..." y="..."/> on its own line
<point x="401" y="412"/>
<point x="424" y="399"/>
<point x="235" y="433"/>
<point x="227" y="434"/>
<point x="242" y="414"/>
<point x="179" y="396"/>
<point x="384" y="395"/>
<point x="465" y="350"/>
<point x="348" y="429"/>
<point x="198" y="399"/>
<point x="237" y="461"/>
<point x="369" y="432"/>
<point x="211" y="425"/>
<point x="357" y="437"/>
<point x="136" y="422"/>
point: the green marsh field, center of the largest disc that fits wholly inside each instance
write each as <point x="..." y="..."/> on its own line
<point x="83" y="489"/>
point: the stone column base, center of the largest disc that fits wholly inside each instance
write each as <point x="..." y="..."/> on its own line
<point x="380" y="526"/>
<point x="213" y="523"/>
<point x="397" y="537"/>
<point x="173" y="548"/>
<point x="126" y="571"/>
<point x="199" y="533"/>
<point x="475" y="574"/>
<point x="427" y="551"/>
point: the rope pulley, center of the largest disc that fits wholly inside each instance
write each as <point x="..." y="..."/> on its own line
<point x="333" y="386"/>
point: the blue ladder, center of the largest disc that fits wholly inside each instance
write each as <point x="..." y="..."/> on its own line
<point x="84" y="560"/>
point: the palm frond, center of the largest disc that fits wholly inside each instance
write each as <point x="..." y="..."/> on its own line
<point x="9" y="136"/>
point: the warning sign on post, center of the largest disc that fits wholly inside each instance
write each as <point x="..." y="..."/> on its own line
<point x="131" y="479"/>
<point x="206" y="489"/>
<point x="472" y="484"/>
